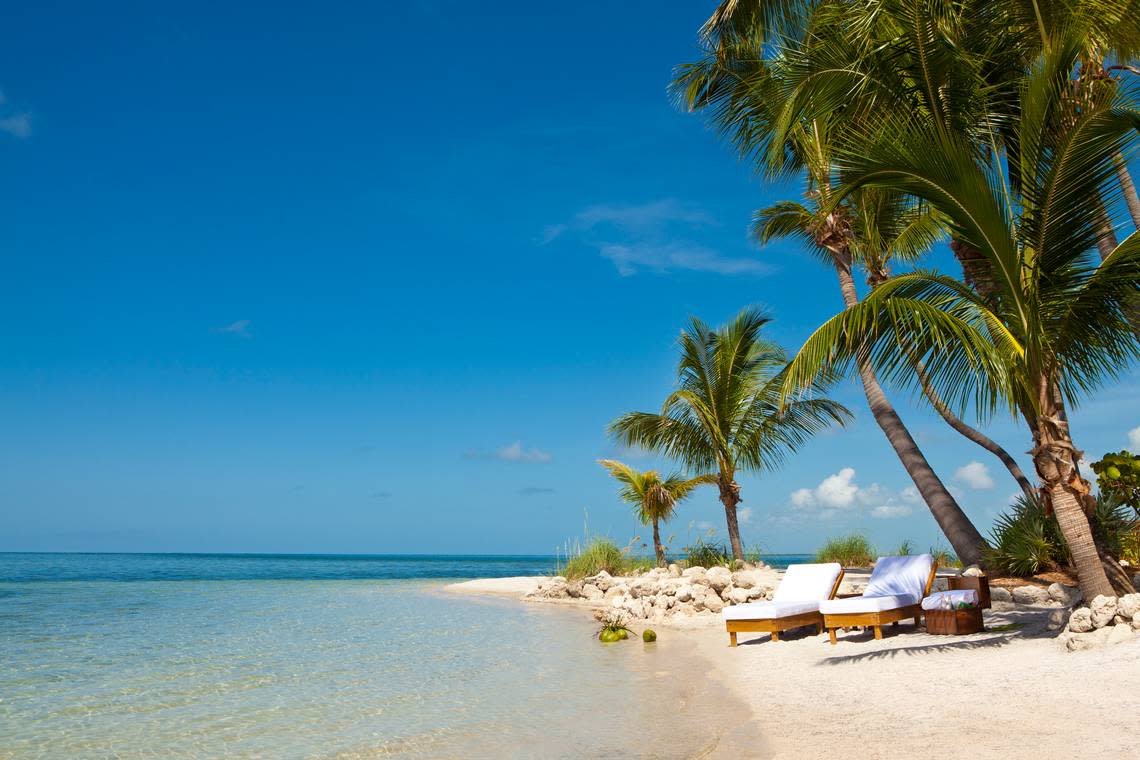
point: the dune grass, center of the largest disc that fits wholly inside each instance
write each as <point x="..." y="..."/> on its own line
<point x="853" y="550"/>
<point x="702" y="553"/>
<point x="597" y="554"/>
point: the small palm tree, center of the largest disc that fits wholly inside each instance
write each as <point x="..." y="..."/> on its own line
<point x="654" y="500"/>
<point x="727" y="413"/>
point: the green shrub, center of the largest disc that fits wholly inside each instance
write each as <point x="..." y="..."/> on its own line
<point x="906" y="548"/>
<point x="600" y="554"/>
<point x="850" y="551"/>
<point x="703" y="553"/>
<point x="945" y="557"/>
<point x="1028" y="541"/>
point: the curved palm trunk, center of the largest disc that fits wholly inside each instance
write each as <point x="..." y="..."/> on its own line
<point x="1055" y="459"/>
<point x="961" y="533"/>
<point x="975" y="435"/>
<point x="730" y="497"/>
<point x="658" y="549"/>
<point x="1127" y="188"/>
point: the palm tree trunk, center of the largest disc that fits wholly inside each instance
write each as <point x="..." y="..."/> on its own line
<point x="1054" y="458"/>
<point x="658" y="549"/>
<point x="1127" y="188"/>
<point x="730" y="497"/>
<point x="961" y="533"/>
<point x="973" y="434"/>
<point x="1106" y="241"/>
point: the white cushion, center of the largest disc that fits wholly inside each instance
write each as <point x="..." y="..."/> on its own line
<point x="802" y="582"/>
<point x="768" y="610"/>
<point x="867" y="604"/>
<point x="900" y="575"/>
<point x="950" y="600"/>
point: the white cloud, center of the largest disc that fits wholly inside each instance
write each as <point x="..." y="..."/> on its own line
<point x="744" y="515"/>
<point x="1086" y="470"/>
<point x="1134" y="439"/>
<point x="17" y="125"/>
<point x="803" y="497"/>
<point x="891" y="510"/>
<point x="239" y="328"/>
<point x="975" y="475"/>
<point x="516" y="453"/>
<point x="910" y="494"/>
<point x="654" y="237"/>
<point x="838" y="490"/>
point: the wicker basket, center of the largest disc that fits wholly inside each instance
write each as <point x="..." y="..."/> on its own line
<point x="953" y="622"/>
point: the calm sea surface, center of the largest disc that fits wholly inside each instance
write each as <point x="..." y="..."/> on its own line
<point x="268" y="656"/>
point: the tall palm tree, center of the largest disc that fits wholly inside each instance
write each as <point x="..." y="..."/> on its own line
<point x="728" y="413"/>
<point x="887" y="228"/>
<point x="747" y="98"/>
<point x="1056" y="323"/>
<point x="654" y="500"/>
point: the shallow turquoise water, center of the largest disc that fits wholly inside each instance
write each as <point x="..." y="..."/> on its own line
<point x="116" y="664"/>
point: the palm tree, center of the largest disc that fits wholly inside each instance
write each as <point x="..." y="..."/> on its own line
<point x="654" y="500"/>
<point x="748" y="99"/>
<point x="1055" y="325"/>
<point x="728" y="413"/>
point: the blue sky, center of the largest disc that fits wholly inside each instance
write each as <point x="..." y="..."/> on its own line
<point x="375" y="279"/>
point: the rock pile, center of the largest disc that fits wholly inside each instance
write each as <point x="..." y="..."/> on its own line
<point x="1057" y="595"/>
<point x="1108" y="620"/>
<point x="663" y="592"/>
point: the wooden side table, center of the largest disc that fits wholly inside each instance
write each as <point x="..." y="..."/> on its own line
<point x="979" y="583"/>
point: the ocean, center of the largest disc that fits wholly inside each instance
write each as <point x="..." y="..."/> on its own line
<point x="294" y="656"/>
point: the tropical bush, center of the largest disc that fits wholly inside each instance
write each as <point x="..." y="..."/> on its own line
<point x="906" y="548"/>
<point x="702" y="553"/>
<point x="853" y="550"/>
<point x="1027" y="540"/>
<point x="1118" y="474"/>
<point x="599" y="554"/>
<point x="945" y="557"/>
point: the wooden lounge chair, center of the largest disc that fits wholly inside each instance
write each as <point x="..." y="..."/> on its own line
<point x="894" y="592"/>
<point x="795" y="603"/>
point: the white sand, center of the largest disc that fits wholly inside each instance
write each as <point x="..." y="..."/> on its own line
<point x="1013" y="694"/>
<point x="516" y="586"/>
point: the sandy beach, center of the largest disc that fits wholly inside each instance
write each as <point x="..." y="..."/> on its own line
<point x="995" y="694"/>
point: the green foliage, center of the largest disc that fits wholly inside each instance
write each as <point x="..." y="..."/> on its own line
<point x="945" y="557"/>
<point x="1118" y="474"/>
<point x="906" y="548"/>
<point x="853" y="550"/>
<point x="702" y="553"/>
<point x="599" y="554"/>
<point x="1028" y="541"/>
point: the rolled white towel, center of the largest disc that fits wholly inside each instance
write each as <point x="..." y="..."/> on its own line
<point x="941" y="600"/>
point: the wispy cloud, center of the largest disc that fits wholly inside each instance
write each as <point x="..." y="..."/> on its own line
<point x="535" y="491"/>
<point x="744" y="515"/>
<point x="1134" y="438"/>
<point x="653" y="237"/>
<point x="975" y="475"/>
<point x="14" y="122"/>
<point x="514" y="452"/>
<point x="239" y="328"/>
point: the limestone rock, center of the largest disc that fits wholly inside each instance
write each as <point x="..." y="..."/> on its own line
<point x="973" y="571"/>
<point x="707" y="600"/>
<point x="1128" y="605"/>
<point x="759" y="592"/>
<point x="592" y="593"/>
<point x="1000" y="594"/>
<point x="684" y="593"/>
<point x="1057" y="620"/>
<point x="1136" y="622"/>
<point x="1080" y="642"/>
<point x="1066" y="595"/>
<point x="614" y="592"/>
<point x="744" y="579"/>
<point x="574" y="589"/>
<point x="1120" y="632"/>
<point x="1030" y="595"/>
<point x="674" y="570"/>
<point x="718" y="578"/>
<point x="1103" y="610"/>
<point x="1081" y="620"/>
<point x="603" y="580"/>
<point x="738" y="595"/>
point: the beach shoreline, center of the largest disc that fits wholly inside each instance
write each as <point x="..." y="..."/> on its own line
<point x="1009" y="691"/>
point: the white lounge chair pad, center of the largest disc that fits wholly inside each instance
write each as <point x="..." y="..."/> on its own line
<point x="769" y="610"/>
<point x="802" y="582"/>
<point x="900" y="575"/>
<point x="936" y="600"/>
<point x="867" y="604"/>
